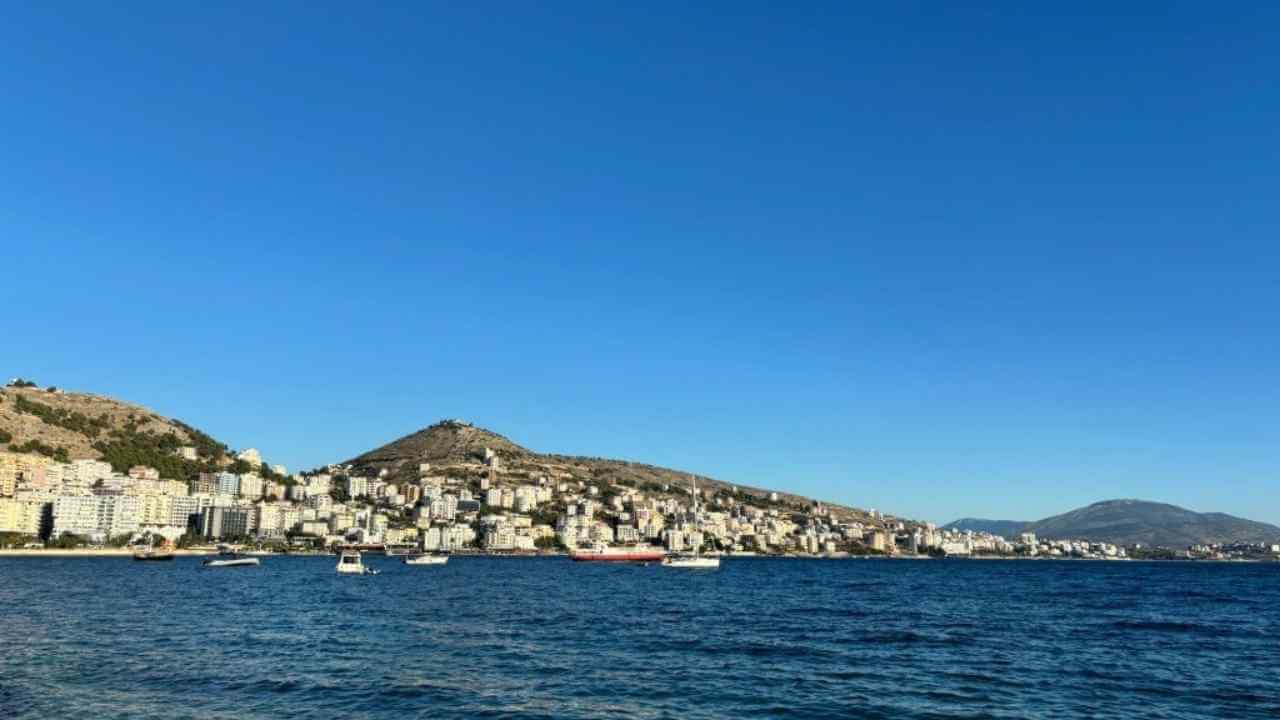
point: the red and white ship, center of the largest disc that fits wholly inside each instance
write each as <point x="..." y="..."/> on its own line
<point x="627" y="553"/>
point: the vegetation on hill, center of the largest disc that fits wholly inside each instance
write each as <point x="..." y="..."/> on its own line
<point x="73" y="425"/>
<point x="35" y="446"/>
<point x="69" y="419"/>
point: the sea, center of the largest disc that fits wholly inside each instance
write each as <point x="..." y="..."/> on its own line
<point x="549" y="638"/>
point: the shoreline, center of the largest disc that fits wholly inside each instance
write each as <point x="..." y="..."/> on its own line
<point x="192" y="552"/>
<point x="92" y="552"/>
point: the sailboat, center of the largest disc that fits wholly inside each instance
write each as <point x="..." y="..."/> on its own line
<point x="695" y="559"/>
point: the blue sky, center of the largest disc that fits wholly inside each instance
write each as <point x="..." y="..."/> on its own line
<point x="994" y="260"/>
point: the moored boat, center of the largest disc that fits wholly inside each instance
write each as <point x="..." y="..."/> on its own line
<point x="350" y="563"/>
<point x="694" y="560"/>
<point x="425" y="559"/>
<point x="153" y="555"/>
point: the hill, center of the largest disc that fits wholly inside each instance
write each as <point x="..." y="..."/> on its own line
<point x="1008" y="529"/>
<point x="459" y="446"/>
<point x="69" y="425"/>
<point x="1129" y="522"/>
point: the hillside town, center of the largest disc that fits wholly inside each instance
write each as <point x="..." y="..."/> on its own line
<point x="474" y="506"/>
<point x="479" y="492"/>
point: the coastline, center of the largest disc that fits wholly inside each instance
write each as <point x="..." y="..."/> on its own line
<point x="91" y="552"/>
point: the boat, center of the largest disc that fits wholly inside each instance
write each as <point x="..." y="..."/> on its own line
<point x="349" y="563"/>
<point x="153" y="555"/>
<point x="691" y="561"/>
<point x="694" y="560"/>
<point x="425" y="559"/>
<point x="627" y="553"/>
<point x="233" y="562"/>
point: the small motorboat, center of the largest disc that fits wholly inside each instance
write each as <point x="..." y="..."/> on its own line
<point x="232" y="562"/>
<point x="692" y="562"/>
<point x="153" y="555"/>
<point x="425" y="559"/>
<point x="350" y="563"/>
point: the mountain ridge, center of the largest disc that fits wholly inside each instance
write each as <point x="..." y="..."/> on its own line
<point x="1130" y="521"/>
<point x="1008" y="529"/>
<point x="461" y="442"/>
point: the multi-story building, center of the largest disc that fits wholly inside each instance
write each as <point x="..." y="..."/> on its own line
<point x="250" y="486"/>
<point x="228" y="483"/>
<point x="96" y="517"/>
<point x="87" y="472"/>
<point x="183" y="508"/>
<point x="143" y="472"/>
<point x="224" y="522"/>
<point x="493" y="497"/>
<point x="203" y="484"/>
<point x="357" y="486"/>
<point x="21" y="516"/>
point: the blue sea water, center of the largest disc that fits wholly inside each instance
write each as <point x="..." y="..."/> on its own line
<point x="547" y="638"/>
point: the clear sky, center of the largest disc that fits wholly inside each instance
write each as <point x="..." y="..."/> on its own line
<point x="996" y="260"/>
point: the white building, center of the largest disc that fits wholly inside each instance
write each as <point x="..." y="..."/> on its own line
<point x="228" y="483"/>
<point x="357" y="486"/>
<point x="250" y="486"/>
<point x="251" y="456"/>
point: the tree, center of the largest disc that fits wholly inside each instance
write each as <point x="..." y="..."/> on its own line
<point x="550" y="542"/>
<point x="66" y="541"/>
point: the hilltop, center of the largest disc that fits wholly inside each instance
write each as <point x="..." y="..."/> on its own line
<point x="459" y="446"/>
<point x="73" y="425"/>
<point x="1134" y="522"/>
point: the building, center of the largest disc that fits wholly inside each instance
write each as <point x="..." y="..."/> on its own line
<point x="97" y="517"/>
<point x="183" y="508"/>
<point x="203" y="484"/>
<point x="21" y="516"/>
<point x="224" y="522"/>
<point x="228" y="483"/>
<point x="251" y="456"/>
<point x="357" y="486"/>
<point x="250" y="486"/>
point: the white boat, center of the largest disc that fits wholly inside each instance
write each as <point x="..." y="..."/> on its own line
<point x="233" y="562"/>
<point x="349" y="563"/>
<point x="425" y="559"/>
<point x="694" y="560"/>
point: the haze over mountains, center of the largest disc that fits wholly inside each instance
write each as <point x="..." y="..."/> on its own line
<point x="1131" y="522"/>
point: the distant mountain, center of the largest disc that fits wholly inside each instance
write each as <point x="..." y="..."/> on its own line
<point x="457" y="444"/>
<point x="1003" y="528"/>
<point x="1128" y="522"/>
